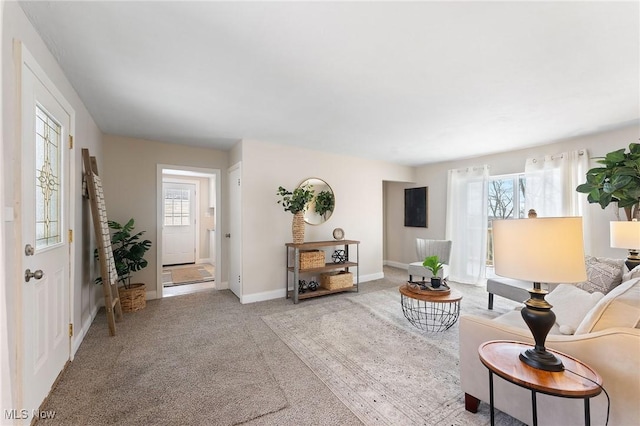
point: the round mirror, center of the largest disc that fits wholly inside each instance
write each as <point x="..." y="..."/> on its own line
<point x="321" y="207"/>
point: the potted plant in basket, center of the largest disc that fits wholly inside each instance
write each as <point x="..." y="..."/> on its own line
<point x="128" y="255"/>
<point x="433" y="264"/>
<point x="617" y="180"/>
<point x="296" y="202"/>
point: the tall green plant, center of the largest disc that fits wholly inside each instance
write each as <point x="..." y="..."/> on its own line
<point x="128" y="251"/>
<point x="617" y="181"/>
<point x="297" y="200"/>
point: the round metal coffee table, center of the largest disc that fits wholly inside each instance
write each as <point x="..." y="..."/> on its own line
<point x="430" y="310"/>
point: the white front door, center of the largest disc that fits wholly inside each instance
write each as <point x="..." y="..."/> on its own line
<point x="235" y="226"/>
<point x="45" y="224"/>
<point x="179" y="227"/>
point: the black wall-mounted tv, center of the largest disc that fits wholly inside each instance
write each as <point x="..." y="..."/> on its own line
<point x="415" y="207"/>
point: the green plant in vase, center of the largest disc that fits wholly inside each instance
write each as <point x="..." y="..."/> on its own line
<point x="296" y="202"/>
<point x="433" y="264"/>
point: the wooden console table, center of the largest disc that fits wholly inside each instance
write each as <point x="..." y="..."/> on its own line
<point x="502" y="358"/>
<point x="295" y="270"/>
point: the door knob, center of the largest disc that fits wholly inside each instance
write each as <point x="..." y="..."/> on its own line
<point x="227" y="235"/>
<point x="37" y="274"/>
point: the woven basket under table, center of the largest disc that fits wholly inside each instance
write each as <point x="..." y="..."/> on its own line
<point x="335" y="280"/>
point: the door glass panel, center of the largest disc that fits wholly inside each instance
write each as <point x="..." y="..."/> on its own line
<point x="177" y="207"/>
<point x="47" y="180"/>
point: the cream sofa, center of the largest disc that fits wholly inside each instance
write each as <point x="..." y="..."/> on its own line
<point x="606" y="337"/>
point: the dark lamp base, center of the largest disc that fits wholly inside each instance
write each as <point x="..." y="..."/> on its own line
<point x="542" y="360"/>
<point x="632" y="263"/>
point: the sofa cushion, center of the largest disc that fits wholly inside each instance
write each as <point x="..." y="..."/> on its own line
<point x="619" y="308"/>
<point x="628" y="275"/>
<point x="603" y="274"/>
<point x="514" y="319"/>
<point x="571" y="304"/>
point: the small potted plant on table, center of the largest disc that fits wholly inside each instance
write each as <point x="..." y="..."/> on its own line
<point x="433" y="264"/>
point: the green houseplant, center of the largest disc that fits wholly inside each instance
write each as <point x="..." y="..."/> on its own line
<point x="296" y="202"/>
<point x="617" y="180"/>
<point x="325" y="202"/>
<point x="433" y="264"/>
<point x="128" y="255"/>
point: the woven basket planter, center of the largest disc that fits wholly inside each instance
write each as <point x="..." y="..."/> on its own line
<point x="133" y="298"/>
<point x="298" y="228"/>
<point x="335" y="280"/>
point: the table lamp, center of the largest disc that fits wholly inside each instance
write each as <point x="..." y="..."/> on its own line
<point x="541" y="250"/>
<point x="626" y="235"/>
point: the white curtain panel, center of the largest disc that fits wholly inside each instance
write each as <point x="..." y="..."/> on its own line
<point x="551" y="184"/>
<point x="467" y="223"/>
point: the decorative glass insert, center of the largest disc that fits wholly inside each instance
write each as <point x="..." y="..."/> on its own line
<point x="48" y="204"/>
<point x="177" y="207"/>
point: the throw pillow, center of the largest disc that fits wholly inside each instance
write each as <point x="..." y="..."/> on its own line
<point x="603" y="274"/>
<point x="619" y="308"/>
<point x="571" y="304"/>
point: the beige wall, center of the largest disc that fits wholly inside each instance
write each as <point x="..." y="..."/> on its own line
<point x="86" y="295"/>
<point x="400" y="240"/>
<point x="130" y="185"/>
<point x="357" y="184"/>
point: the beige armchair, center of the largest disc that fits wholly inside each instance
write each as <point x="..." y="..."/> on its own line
<point x="425" y="248"/>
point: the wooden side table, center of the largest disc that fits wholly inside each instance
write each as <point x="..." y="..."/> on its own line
<point x="502" y="358"/>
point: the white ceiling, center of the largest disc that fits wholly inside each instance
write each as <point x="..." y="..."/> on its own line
<point x="410" y="83"/>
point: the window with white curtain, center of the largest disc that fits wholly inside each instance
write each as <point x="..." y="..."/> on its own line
<point x="466" y="223"/>
<point x="551" y="183"/>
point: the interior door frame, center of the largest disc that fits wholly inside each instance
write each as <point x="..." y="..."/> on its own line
<point x="23" y="60"/>
<point x="160" y="170"/>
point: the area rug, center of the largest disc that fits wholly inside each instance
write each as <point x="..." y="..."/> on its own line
<point x="385" y="370"/>
<point x="189" y="275"/>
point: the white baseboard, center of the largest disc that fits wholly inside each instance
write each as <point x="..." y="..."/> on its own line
<point x="207" y="260"/>
<point x="396" y="264"/>
<point x="78" y="335"/>
<point x="224" y="285"/>
<point x="265" y="295"/>
<point x="280" y="293"/>
<point x="371" y="277"/>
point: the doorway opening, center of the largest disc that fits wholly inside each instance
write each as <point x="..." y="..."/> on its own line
<point x="188" y="211"/>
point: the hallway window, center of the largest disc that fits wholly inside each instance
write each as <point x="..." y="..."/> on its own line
<point x="177" y="207"/>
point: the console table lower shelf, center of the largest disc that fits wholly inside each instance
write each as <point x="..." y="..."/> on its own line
<point x="321" y="292"/>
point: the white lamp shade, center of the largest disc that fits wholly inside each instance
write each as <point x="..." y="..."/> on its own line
<point x="545" y="250"/>
<point x="625" y="234"/>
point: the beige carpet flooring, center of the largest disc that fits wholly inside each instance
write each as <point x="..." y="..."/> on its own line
<point x="205" y="359"/>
